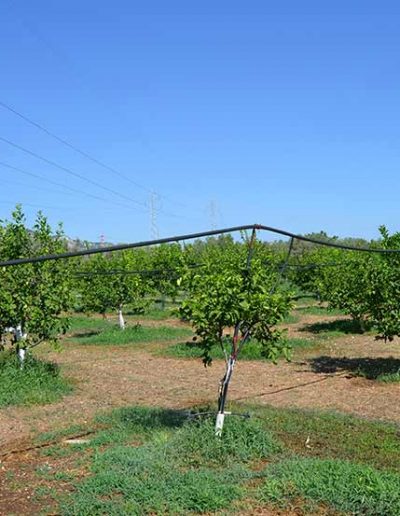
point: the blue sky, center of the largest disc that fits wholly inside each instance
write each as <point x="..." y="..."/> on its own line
<point x="279" y="112"/>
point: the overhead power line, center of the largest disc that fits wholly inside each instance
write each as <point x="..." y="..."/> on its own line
<point x="65" y="187"/>
<point x="71" y="172"/>
<point x="191" y="236"/>
<point x="40" y="206"/>
<point x="79" y="151"/>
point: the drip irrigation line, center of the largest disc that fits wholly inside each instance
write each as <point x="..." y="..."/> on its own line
<point x="191" y="236"/>
<point x="123" y="273"/>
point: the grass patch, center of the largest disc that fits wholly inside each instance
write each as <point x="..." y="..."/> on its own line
<point x="342" y="485"/>
<point x="158" y="314"/>
<point x="304" y="298"/>
<point x="39" y="382"/>
<point x="334" y="435"/>
<point x="155" y="313"/>
<point x="250" y="351"/>
<point x="180" y="467"/>
<point x="156" y="461"/>
<point x="81" y="323"/>
<point x="291" y="318"/>
<point x="389" y="377"/>
<point x="107" y="333"/>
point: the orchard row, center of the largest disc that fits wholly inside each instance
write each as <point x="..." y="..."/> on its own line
<point x="219" y="284"/>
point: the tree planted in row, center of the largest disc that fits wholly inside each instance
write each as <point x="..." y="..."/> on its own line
<point x="35" y="297"/>
<point x="233" y="298"/>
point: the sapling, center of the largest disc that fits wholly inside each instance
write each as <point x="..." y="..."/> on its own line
<point x="229" y="292"/>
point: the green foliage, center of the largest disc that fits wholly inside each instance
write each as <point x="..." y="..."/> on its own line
<point x="307" y="265"/>
<point x="227" y="292"/>
<point x="384" y="291"/>
<point x="35" y="296"/>
<point x="167" y="261"/>
<point x="102" y="290"/>
<point x="365" y="286"/>
<point x="346" y="286"/>
<point x="37" y="383"/>
<point x="345" y="486"/>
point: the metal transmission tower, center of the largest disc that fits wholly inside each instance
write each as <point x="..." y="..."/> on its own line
<point x="212" y="212"/>
<point x="153" y="210"/>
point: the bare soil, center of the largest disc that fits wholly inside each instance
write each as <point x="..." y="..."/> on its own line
<point x="109" y="376"/>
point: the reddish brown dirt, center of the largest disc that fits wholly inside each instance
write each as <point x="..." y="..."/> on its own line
<point x="108" y="377"/>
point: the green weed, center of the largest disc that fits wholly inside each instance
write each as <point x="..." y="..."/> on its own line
<point x="181" y="468"/>
<point x="38" y="382"/>
<point x="112" y="335"/>
<point x="343" y="485"/>
<point x="334" y="435"/>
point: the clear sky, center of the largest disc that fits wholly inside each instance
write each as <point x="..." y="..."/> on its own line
<point x="279" y="112"/>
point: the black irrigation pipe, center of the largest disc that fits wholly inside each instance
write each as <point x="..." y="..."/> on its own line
<point x="144" y="272"/>
<point x="150" y="272"/>
<point x="122" y="247"/>
<point x="191" y="236"/>
<point x="324" y="243"/>
<point x="314" y="265"/>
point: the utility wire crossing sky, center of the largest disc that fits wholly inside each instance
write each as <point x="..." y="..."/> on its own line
<point x="130" y="119"/>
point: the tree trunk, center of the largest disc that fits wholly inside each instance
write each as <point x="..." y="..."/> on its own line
<point x="121" y="320"/>
<point x="219" y="424"/>
<point x="20" y="338"/>
<point x="361" y="323"/>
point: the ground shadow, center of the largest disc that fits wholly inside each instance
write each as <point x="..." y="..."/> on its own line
<point x="347" y="326"/>
<point x="157" y="418"/>
<point x="370" y="368"/>
<point x="84" y="334"/>
<point x="296" y="297"/>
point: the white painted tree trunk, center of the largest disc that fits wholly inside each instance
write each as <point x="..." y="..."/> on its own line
<point x="21" y="357"/>
<point x="121" y="319"/>
<point x="219" y="424"/>
<point x="20" y="337"/>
